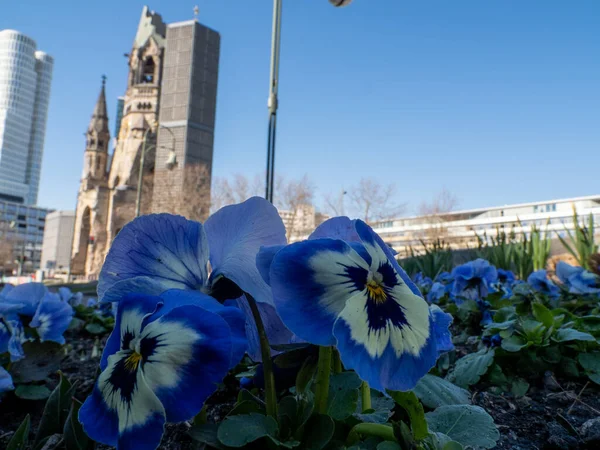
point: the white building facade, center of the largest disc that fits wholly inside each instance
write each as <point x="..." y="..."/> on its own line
<point x="25" y="78"/>
<point x="461" y="229"/>
<point x="58" y="235"/>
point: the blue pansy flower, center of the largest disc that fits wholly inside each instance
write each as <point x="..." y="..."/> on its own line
<point x="6" y="382"/>
<point x="164" y="358"/>
<point x="356" y="296"/>
<point x="577" y="279"/>
<point x="539" y="282"/>
<point x="492" y="341"/>
<point x="52" y="318"/>
<point x="474" y="280"/>
<point x="159" y="252"/>
<point x="486" y="313"/>
<point x="506" y="277"/>
<point x="422" y="281"/>
<point x="436" y="293"/>
<point x="444" y="277"/>
<point x="22" y="300"/>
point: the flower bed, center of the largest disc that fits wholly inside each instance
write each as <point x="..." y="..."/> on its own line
<point x="227" y="337"/>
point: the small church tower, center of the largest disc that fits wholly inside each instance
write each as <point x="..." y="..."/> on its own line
<point x="92" y="202"/>
<point x="97" y="140"/>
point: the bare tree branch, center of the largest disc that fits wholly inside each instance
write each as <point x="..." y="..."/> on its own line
<point x="435" y="214"/>
<point x="372" y="201"/>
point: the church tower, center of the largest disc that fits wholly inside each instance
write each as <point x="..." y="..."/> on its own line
<point x="97" y="140"/>
<point x="93" y="195"/>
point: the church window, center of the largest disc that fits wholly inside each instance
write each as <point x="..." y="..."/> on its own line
<point x="148" y="69"/>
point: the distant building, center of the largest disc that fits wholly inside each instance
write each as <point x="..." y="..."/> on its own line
<point x="461" y="229"/>
<point x="120" y="107"/>
<point x="21" y="235"/>
<point x="168" y="110"/>
<point x="25" y="77"/>
<point x="56" y="246"/>
<point x="301" y="221"/>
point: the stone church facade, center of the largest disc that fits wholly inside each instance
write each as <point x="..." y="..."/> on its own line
<point x="169" y="115"/>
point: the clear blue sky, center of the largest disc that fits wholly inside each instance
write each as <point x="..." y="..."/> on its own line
<point x="497" y="101"/>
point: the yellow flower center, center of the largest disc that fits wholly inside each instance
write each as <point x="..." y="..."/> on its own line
<point x="376" y="292"/>
<point x="133" y="361"/>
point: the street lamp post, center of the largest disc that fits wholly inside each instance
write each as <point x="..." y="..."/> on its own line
<point x="138" y="200"/>
<point x="170" y="163"/>
<point x="273" y="101"/>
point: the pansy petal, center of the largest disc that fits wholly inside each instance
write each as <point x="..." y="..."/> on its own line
<point x="565" y="270"/>
<point x="4" y="337"/>
<point x="235" y="234"/>
<point x="25" y="296"/>
<point x="6" y="382"/>
<point x="186" y="353"/>
<point x="131" y="312"/>
<point x="141" y="285"/>
<point x="277" y="332"/>
<point x="341" y="228"/>
<point x="231" y="314"/>
<point x="122" y="409"/>
<point x="311" y="282"/>
<point x="398" y="365"/>
<point x="6" y="289"/>
<point x="170" y="249"/>
<point x="52" y="318"/>
<point x="441" y="325"/>
<point x="381" y="251"/>
<point x="65" y="293"/>
<point x="15" y="343"/>
<point x="265" y="258"/>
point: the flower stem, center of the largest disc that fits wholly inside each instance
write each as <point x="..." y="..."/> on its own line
<point x="265" y="350"/>
<point x="365" y="394"/>
<point x="201" y="417"/>
<point x="384" y="432"/>
<point x="337" y="362"/>
<point x="322" y="383"/>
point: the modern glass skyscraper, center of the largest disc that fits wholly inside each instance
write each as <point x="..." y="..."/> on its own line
<point x="25" y="77"/>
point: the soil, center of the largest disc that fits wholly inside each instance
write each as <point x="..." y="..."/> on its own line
<point x="548" y="417"/>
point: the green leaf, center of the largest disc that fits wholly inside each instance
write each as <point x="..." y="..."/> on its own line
<point x="246" y="407"/>
<point x="496" y="376"/>
<point x="32" y="392"/>
<point x="95" y="328"/>
<point x="43" y="359"/>
<point x="513" y="344"/>
<point x="519" y="387"/>
<point x="467" y="424"/>
<point x="237" y="431"/>
<point x="56" y="410"/>
<point x="293" y="358"/>
<point x="380" y="412"/>
<point x="73" y="434"/>
<point x="591" y="364"/>
<point x="506" y="314"/>
<point x="411" y="404"/>
<point x="569" y="334"/>
<point x="542" y="314"/>
<point x="207" y="434"/>
<point x="306" y="375"/>
<point x="435" y="391"/>
<point x="21" y="437"/>
<point x="343" y="395"/>
<point x="320" y="430"/>
<point x="440" y="441"/>
<point x="388" y="445"/>
<point x="469" y="369"/>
